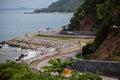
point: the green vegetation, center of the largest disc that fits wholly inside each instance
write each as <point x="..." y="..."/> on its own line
<point x="72" y="39"/>
<point x="53" y="37"/>
<point x="58" y="65"/>
<point x="89" y="7"/>
<point x="106" y="13"/>
<point x="62" y="6"/>
<point x="75" y="76"/>
<point x="13" y="71"/>
<point x="90" y="56"/>
<point x="114" y="57"/>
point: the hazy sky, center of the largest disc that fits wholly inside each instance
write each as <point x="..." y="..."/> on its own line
<point x="25" y="3"/>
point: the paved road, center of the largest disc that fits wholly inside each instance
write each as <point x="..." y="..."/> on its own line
<point x="65" y="56"/>
<point x="36" y="66"/>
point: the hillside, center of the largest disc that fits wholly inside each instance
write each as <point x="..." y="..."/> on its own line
<point x="85" y="18"/>
<point x="110" y="47"/>
<point x="62" y="6"/>
<point x="99" y="16"/>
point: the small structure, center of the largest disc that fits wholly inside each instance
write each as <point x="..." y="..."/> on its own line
<point x="40" y="31"/>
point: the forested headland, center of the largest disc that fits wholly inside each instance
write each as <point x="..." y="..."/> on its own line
<point x="99" y="16"/>
<point x="62" y="6"/>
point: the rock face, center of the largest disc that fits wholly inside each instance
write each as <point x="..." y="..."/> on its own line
<point x="87" y="22"/>
<point x="110" y="46"/>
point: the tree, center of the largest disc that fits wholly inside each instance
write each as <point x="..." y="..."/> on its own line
<point x="13" y="71"/>
<point x="106" y="14"/>
<point x="58" y="65"/>
<point x="62" y="6"/>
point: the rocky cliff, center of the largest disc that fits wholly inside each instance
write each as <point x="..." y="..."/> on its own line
<point x="110" y="46"/>
<point x="87" y="22"/>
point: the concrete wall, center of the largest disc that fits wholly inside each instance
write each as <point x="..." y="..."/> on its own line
<point x="106" y="68"/>
<point x="85" y="33"/>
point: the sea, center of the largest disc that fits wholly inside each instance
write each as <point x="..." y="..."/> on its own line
<point x="14" y="23"/>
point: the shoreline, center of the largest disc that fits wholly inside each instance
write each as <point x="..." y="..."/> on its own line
<point x="49" y="13"/>
<point x="45" y="46"/>
<point x="41" y="46"/>
<point x="26" y="42"/>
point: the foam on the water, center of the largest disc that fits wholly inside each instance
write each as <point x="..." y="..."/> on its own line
<point x="9" y="53"/>
<point x="30" y="54"/>
<point x="5" y="46"/>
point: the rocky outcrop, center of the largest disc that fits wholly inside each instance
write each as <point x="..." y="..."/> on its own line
<point x="87" y="22"/>
<point x="110" y="46"/>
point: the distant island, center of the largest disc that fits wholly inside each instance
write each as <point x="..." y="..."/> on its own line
<point x="21" y="8"/>
<point x="61" y="6"/>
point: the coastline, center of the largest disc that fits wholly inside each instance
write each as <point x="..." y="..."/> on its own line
<point x="46" y="43"/>
<point x="49" y="13"/>
<point x="39" y="46"/>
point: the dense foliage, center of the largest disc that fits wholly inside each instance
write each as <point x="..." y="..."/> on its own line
<point x="58" y="65"/>
<point x="62" y="6"/>
<point x="75" y="76"/>
<point x="106" y="13"/>
<point x="88" y="7"/>
<point x="14" y="71"/>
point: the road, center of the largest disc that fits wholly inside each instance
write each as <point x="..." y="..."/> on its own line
<point x="39" y="65"/>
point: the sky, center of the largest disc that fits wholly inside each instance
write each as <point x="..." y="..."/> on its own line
<point x="25" y="3"/>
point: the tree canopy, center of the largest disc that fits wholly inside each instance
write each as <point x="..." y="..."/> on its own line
<point x="62" y="6"/>
<point x="13" y="71"/>
<point x="106" y="14"/>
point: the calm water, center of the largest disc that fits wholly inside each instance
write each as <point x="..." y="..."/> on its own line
<point x="14" y="23"/>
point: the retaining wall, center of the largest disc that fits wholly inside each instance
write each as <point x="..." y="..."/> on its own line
<point x="85" y="33"/>
<point x="106" y="68"/>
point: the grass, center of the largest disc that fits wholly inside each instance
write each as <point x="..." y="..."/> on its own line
<point x="70" y="39"/>
<point x="33" y="62"/>
<point x="114" y="57"/>
<point x="91" y="56"/>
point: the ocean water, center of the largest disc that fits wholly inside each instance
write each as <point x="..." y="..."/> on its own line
<point x="12" y="53"/>
<point x="15" y="23"/>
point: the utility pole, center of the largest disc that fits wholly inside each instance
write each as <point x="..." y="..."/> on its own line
<point x="80" y="49"/>
<point x="80" y="42"/>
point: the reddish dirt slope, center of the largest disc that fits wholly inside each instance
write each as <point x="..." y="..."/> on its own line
<point x="87" y="22"/>
<point x="110" y="46"/>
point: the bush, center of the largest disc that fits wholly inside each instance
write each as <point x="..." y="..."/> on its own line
<point x="114" y="57"/>
<point x="14" y="71"/>
<point x="88" y="49"/>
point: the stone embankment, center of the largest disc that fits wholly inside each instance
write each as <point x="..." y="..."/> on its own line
<point x="25" y="42"/>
